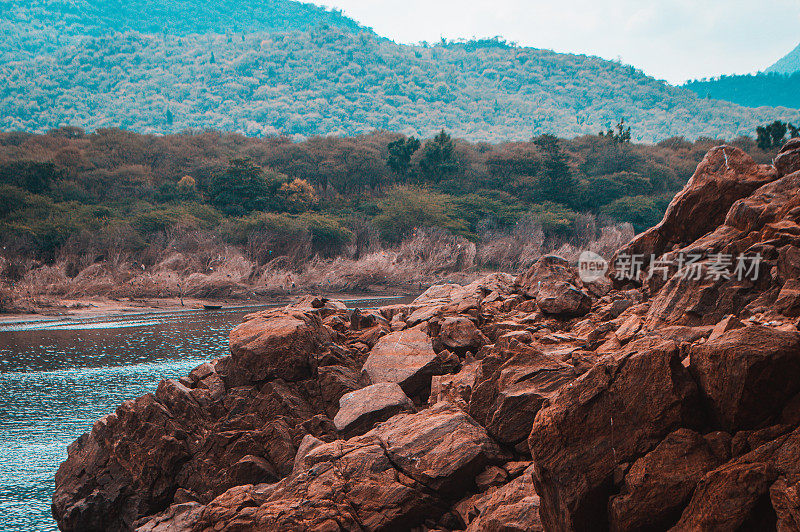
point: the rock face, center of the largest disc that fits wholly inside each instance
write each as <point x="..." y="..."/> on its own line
<point x="527" y="403"/>
<point x="616" y="411"/>
<point x="748" y="375"/>
<point x="361" y="409"/>
<point x="406" y="358"/>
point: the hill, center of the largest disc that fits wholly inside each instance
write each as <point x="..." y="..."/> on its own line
<point x="330" y="79"/>
<point x="173" y="17"/>
<point x="752" y="90"/>
<point x="788" y="64"/>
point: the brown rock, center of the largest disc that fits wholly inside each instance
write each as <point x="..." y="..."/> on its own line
<point x="728" y="323"/>
<point x="461" y="333"/>
<point x="658" y="485"/>
<point x="513" y="507"/>
<point x="361" y="409"/>
<point x="563" y="299"/>
<point x="549" y="269"/>
<point x="491" y="476"/>
<point x="510" y="388"/>
<point x="788" y="302"/>
<point x="457" y="388"/>
<point x="278" y="343"/>
<point x="788" y="161"/>
<point x="388" y="479"/>
<point x="785" y="498"/>
<point x="334" y="382"/>
<point x="725" y="175"/>
<point x="726" y="497"/>
<point x="747" y="375"/>
<point x="613" y="414"/>
<point x="406" y="358"/>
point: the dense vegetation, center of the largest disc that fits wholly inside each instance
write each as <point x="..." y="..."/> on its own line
<point x="114" y="193"/>
<point x="174" y="17"/>
<point x="752" y="90"/>
<point x="325" y="76"/>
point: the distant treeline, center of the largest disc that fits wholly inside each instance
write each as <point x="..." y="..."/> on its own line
<point x="752" y="90"/>
<point x="114" y="191"/>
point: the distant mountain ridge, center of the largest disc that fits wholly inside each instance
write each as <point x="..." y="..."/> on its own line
<point x="281" y="67"/>
<point x="752" y="90"/>
<point x="788" y="64"/>
<point x="177" y="17"/>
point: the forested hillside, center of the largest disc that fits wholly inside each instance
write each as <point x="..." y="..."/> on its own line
<point x="183" y="67"/>
<point x="60" y="18"/>
<point x="752" y="90"/>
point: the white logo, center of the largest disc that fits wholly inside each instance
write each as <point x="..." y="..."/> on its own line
<point x="591" y="267"/>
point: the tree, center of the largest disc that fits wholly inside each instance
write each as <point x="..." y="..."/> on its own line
<point x="437" y="160"/>
<point x="772" y="135"/>
<point x="405" y="209"/>
<point x="400" y="152"/>
<point x="244" y="187"/>
<point x="32" y="176"/>
<point x="170" y="117"/>
<point x="555" y="181"/>
<point x="622" y="135"/>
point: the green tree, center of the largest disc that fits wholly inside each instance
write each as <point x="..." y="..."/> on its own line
<point x="405" y="209"/>
<point x="438" y="160"/>
<point x="400" y="152"/>
<point x="622" y="135"/>
<point x="244" y="187"/>
<point x="772" y="135"/>
<point x="555" y="181"/>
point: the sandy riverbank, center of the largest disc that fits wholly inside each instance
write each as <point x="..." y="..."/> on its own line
<point x="45" y="309"/>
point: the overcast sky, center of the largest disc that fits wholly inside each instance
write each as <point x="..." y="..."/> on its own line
<point x="674" y="40"/>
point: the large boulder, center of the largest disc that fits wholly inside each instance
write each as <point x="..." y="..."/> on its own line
<point x="747" y="375"/>
<point x="788" y="159"/>
<point x="406" y="358"/>
<point x="181" y="438"/>
<point x="361" y="409"/>
<point x="512" y="385"/>
<point x="548" y="270"/>
<point x="460" y="333"/>
<point x="278" y="343"/>
<point x="613" y="414"/>
<point x="513" y="507"/>
<point x="563" y="299"/>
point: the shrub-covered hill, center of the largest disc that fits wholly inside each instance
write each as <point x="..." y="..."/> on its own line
<point x="175" y="17"/>
<point x="325" y="80"/>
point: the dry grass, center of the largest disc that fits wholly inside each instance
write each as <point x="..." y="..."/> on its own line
<point x="198" y="266"/>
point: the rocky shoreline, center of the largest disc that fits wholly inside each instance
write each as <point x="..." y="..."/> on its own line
<point x="536" y="402"/>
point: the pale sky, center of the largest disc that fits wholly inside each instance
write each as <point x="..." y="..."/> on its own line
<point x="674" y="40"/>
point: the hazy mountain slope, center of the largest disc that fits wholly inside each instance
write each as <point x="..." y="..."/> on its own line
<point x="752" y="90"/>
<point x="334" y="80"/>
<point x="176" y="17"/>
<point x="787" y="64"/>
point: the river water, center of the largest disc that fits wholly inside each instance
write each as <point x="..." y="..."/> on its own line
<point x="58" y="377"/>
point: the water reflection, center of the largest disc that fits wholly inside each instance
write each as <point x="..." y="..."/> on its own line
<point x="58" y="377"/>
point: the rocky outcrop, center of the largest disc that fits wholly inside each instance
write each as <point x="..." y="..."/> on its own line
<point x="530" y="403"/>
<point x="361" y="409"/>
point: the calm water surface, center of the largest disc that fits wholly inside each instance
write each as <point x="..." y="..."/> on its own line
<point x="58" y="377"/>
